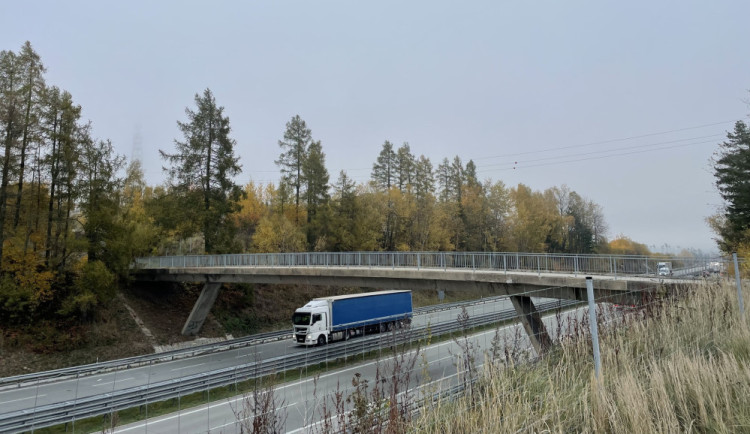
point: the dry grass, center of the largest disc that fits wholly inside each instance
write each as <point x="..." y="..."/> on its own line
<point x="676" y="366"/>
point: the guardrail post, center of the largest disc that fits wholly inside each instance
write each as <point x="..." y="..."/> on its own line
<point x="575" y="265"/>
<point x="473" y="263"/>
<point x="594" y="327"/>
<point x="739" y="286"/>
<point x="419" y="261"/>
<point x="442" y="257"/>
<point x="505" y="264"/>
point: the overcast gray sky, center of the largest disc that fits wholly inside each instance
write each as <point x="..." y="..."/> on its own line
<point x="624" y="102"/>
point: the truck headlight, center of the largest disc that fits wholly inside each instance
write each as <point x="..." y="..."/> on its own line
<point x="308" y="338"/>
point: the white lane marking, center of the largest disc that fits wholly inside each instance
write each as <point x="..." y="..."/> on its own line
<point x="22" y="399"/>
<point x="111" y="382"/>
<point x="235" y="422"/>
<point x="187" y="367"/>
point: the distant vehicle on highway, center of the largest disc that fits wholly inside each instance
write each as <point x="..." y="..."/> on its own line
<point x="328" y="319"/>
<point x="664" y="268"/>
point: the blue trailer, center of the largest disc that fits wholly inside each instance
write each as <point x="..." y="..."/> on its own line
<point x="340" y="317"/>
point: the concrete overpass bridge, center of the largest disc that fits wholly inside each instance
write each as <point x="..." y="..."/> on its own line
<point x="520" y="276"/>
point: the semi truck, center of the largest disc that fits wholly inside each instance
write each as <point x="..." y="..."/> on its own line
<point x="328" y="319"/>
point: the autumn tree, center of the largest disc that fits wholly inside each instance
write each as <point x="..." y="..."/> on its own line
<point x="11" y="83"/>
<point x="99" y="189"/>
<point x="294" y="146"/>
<point x="32" y="89"/>
<point x="276" y="234"/>
<point x="66" y="135"/>
<point x="533" y="217"/>
<point x="316" y="192"/>
<point x="202" y="169"/>
<point x="252" y="208"/>
<point x="344" y="214"/>
<point x="424" y="194"/>
<point x="384" y="174"/>
<point x="623" y="245"/>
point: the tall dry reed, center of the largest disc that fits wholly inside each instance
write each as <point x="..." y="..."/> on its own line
<point x="678" y="364"/>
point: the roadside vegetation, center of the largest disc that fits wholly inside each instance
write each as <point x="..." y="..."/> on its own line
<point x="680" y="365"/>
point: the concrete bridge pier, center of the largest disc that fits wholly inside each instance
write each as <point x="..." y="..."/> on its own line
<point x="201" y="308"/>
<point x="532" y="322"/>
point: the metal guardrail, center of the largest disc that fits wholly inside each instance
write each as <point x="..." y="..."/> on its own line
<point x="165" y="356"/>
<point x="499" y="261"/>
<point x="54" y="414"/>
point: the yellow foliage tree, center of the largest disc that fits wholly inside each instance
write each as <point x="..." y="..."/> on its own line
<point x="533" y="219"/>
<point x="276" y="234"/>
<point x="252" y="208"/>
<point x="623" y="245"/>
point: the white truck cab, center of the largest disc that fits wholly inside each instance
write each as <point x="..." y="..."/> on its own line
<point x="311" y="321"/>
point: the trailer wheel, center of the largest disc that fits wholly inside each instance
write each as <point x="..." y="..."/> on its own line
<point x="321" y="340"/>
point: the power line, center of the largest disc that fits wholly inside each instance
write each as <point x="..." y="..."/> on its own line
<point x="607" y="141"/>
<point x="626" y="148"/>
<point x="600" y="156"/>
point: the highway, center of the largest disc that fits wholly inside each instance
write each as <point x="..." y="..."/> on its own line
<point x="300" y="402"/>
<point x="32" y="396"/>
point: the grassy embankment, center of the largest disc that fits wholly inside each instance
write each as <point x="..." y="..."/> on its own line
<point x="683" y="366"/>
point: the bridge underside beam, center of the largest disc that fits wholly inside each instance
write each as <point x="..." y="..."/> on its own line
<point x="532" y="322"/>
<point x="201" y="308"/>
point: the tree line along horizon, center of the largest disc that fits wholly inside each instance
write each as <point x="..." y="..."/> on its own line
<point x="74" y="214"/>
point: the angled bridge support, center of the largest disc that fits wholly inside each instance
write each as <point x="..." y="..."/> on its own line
<point x="201" y="308"/>
<point x="532" y="322"/>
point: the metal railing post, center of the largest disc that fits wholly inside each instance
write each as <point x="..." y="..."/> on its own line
<point x="594" y="327"/>
<point x="739" y="286"/>
<point x="419" y="261"/>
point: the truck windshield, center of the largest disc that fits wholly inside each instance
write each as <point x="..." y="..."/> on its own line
<point x="301" y="318"/>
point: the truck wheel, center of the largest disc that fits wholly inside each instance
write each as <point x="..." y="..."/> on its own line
<point x="321" y="340"/>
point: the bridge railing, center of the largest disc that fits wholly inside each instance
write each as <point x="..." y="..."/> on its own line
<point x="502" y="261"/>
